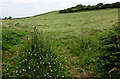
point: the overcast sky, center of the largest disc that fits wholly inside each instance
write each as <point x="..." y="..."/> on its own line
<point x="24" y="8"/>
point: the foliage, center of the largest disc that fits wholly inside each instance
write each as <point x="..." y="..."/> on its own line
<point x="8" y="17"/>
<point x="36" y="60"/>
<point x="11" y="37"/>
<point x="109" y="59"/>
<point x="81" y="7"/>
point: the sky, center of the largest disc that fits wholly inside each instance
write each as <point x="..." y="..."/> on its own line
<point x="25" y="8"/>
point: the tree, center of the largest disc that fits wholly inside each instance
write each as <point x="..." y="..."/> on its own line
<point x="100" y="4"/>
<point x="5" y="18"/>
<point x="9" y="17"/>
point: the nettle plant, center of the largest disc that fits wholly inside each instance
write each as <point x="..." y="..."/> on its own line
<point x="36" y="59"/>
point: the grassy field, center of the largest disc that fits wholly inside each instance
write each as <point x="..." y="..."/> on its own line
<point x="63" y="29"/>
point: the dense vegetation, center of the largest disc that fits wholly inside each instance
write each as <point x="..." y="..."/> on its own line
<point x="81" y="7"/>
<point x="103" y="52"/>
<point x="109" y="59"/>
<point x="36" y="59"/>
<point x="75" y="44"/>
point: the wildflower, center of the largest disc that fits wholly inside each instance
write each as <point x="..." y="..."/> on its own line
<point x="25" y="59"/>
<point x="27" y="36"/>
<point x="60" y="64"/>
<point x="50" y="66"/>
<point x="35" y="54"/>
<point x="44" y="74"/>
<point x="62" y="76"/>
<point x="29" y="67"/>
<point x="51" y="70"/>
<point x="38" y="66"/>
<point x="23" y="69"/>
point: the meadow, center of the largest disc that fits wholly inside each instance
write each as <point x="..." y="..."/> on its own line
<point x="73" y="40"/>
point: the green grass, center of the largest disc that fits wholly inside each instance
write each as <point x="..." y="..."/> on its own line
<point x="62" y="29"/>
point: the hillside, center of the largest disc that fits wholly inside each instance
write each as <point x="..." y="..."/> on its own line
<point x="63" y="29"/>
<point x="54" y="21"/>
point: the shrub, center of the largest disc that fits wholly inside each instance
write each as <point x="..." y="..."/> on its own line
<point x="109" y="60"/>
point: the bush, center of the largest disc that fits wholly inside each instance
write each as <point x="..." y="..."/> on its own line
<point x="109" y="60"/>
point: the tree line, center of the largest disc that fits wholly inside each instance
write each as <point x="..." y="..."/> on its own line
<point x="81" y="7"/>
<point x="9" y="17"/>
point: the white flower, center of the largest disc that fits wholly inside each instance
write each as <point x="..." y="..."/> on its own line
<point x="50" y="66"/>
<point x="48" y="63"/>
<point x="23" y="69"/>
<point x="51" y="70"/>
<point x="29" y="67"/>
<point x="38" y="66"/>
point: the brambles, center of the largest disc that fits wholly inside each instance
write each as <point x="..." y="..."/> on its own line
<point x="36" y="59"/>
<point x="109" y="60"/>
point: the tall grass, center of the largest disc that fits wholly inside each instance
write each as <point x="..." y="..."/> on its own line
<point x="85" y="47"/>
